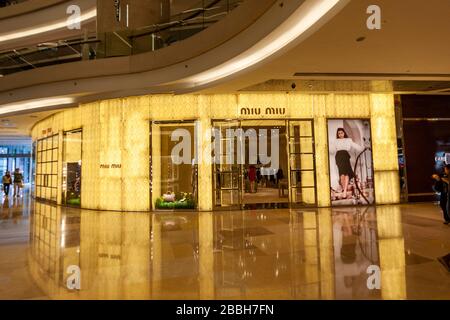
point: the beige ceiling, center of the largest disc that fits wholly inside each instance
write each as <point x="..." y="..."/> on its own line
<point x="413" y="42"/>
<point x="19" y="127"/>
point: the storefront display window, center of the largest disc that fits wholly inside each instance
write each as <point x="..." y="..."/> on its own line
<point x="47" y="168"/>
<point x="174" y="169"/>
<point x="72" y="168"/>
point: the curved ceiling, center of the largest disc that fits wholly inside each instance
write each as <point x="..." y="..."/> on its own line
<point x="215" y="60"/>
<point x="41" y="21"/>
<point x="251" y="35"/>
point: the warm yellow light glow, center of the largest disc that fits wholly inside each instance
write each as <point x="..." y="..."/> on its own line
<point x="205" y="185"/>
<point x="311" y="255"/>
<point x="156" y="256"/>
<point x="156" y="164"/>
<point x="384" y="145"/>
<point x="35" y="104"/>
<point x="320" y="104"/>
<point x="206" y="255"/>
<point x="392" y="253"/>
<point x="387" y="186"/>
<point x="384" y="135"/>
<point x="326" y="250"/>
<point x="22" y="33"/>
<point x="118" y="131"/>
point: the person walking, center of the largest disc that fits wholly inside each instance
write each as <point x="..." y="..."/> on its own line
<point x="252" y="178"/>
<point x="6" y="180"/>
<point x="441" y="186"/>
<point x="18" y="182"/>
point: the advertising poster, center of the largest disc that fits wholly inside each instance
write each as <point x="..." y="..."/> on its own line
<point x="350" y="157"/>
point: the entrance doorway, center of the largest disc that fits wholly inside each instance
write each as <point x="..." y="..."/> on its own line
<point x="263" y="163"/>
<point x="71" y="174"/>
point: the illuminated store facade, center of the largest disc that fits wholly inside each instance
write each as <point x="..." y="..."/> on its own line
<point x="118" y="154"/>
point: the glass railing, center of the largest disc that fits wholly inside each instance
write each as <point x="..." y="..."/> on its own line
<point x="182" y="25"/>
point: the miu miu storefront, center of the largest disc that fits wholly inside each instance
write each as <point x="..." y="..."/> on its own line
<point x="329" y="149"/>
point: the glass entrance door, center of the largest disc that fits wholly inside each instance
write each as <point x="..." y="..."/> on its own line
<point x="301" y="163"/>
<point x="227" y="172"/>
<point x="71" y="176"/>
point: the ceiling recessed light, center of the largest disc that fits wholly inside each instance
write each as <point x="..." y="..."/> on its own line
<point x="35" y="104"/>
<point x="299" y="23"/>
<point x="57" y="25"/>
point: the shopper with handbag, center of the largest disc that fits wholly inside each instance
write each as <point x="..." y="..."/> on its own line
<point x="442" y="187"/>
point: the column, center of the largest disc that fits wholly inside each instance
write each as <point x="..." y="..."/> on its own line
<point x="117" y="18"/>
<point x="156" y="164"/>
<point x="320" y="104"/>
<point x="204" y="149"/>
<point x="384" y="145"/>
<point x="326" y="249"/>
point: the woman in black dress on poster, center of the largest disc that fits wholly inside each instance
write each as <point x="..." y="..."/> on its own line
<point x="343" y="146"/>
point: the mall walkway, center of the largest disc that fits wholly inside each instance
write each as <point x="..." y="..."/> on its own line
<point x="267" y="254"/>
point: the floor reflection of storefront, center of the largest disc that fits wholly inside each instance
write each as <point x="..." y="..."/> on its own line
<point x="356" y="248"/>
<point x="364" y="238"/>
<point x="257" y="260"/>
<point x="288" y="254"/>
<point x="55" y="245"/>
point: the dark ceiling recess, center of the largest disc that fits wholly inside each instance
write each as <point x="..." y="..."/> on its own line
<point x="398" y="86"/>
<point x="422" y="86"/>
<point x="425" y="106"/>
<point x="370" y="75"/>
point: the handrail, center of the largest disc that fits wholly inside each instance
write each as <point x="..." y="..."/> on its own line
<point x="167" y="25"/>
<point x="354" y="170"/>
<point x="12" y="61"/>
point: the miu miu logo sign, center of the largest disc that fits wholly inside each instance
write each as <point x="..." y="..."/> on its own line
<point x="263" y="111"/>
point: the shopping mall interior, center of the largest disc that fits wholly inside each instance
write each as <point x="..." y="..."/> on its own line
<point x="224" y="150"/>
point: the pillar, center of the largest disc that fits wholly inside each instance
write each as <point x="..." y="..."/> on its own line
<point x="156" y="164"/>
<point x="384" y="145"/>
<point x="205" y="178"/>
<point x="116" y="19"/>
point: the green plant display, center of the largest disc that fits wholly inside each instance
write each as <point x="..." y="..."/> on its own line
<point x="182" y="201"/>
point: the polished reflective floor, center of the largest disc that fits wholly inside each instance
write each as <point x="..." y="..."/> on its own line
<point x="266" y="254"/>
